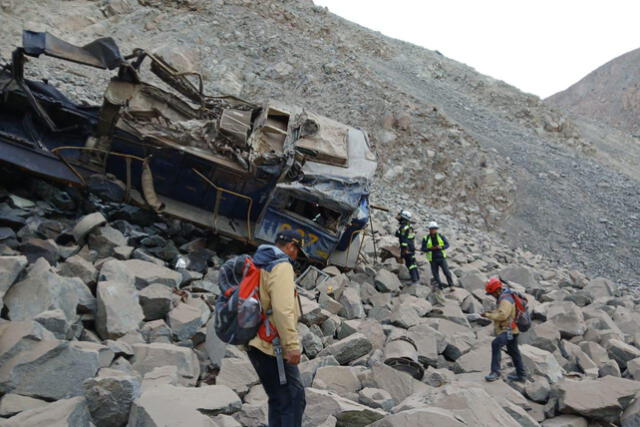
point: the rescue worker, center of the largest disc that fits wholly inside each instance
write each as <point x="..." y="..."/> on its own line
<point x="406" y="236"/>
<point x="506" y="331"/>
<point x="436" y="245"/>
<point x="280" y="301"/>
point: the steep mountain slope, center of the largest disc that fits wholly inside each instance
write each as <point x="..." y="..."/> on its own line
<point x="453" y="142"/>
<point x="610" y="94"/>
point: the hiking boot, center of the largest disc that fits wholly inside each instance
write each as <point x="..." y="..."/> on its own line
<point x="517" y="378"/>
<point x="493" y="376"/>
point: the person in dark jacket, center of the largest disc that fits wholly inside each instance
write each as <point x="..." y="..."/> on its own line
<point x="435" y="245"/>
<point x="406" y="236"/>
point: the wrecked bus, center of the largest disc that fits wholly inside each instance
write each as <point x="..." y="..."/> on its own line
<point x="245" y="171"/>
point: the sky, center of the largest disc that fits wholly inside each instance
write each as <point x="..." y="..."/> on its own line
<point x="541" y="46"/>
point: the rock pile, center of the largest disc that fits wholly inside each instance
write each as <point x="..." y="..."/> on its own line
<point x="98" y="327"/>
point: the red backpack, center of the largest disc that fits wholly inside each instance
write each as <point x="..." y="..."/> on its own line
<point x="522" y="319"/>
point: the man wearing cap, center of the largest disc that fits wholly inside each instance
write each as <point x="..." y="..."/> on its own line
<point x="436" y="245"/>
<point x="280" y="301"/>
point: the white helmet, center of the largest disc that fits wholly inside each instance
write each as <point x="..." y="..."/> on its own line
<point x="404" y="214"/>
<point x="433" y="224"/>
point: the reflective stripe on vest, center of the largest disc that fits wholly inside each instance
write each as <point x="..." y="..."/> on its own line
<point x="430" y="245"/>
<point x="407" y="233"/>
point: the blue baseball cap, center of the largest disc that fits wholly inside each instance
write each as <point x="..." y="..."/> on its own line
<point x="291" y="236"/>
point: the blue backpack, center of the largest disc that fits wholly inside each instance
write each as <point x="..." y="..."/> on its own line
<point x="238" y="310"/>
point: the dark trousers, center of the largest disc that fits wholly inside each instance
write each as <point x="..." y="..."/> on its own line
<point x="286" y="402"/>
<point x="512" y="350"/>
<point x="412" y="265"/>
<point x="436" y="265"/>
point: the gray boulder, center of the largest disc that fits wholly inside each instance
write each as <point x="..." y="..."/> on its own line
<point x="77" y="266"/>
<point x="160" y="376"/>
<point x="329" y="304"/>
<point x="470" y="405"/>
<point x="340" y="379"/>
<point x="566" y="421"/>
<point x="313" y="314"/>
<point x="155" y="301"/>
<point x="63" y="413"/>
<point x="633" y="369"/>
<point x="109" y="397"/>
<point x="105" y="239"/>
<point x="10" y="269"/>
<point x="252" y="414"/>
<point x="519" y="415"/>
<point x="622" y="352"/>
<point x="421" y="306"/>
<point x="150" y="356"/>
<point x="34" y="248"/>
<point x="568" y="319"/>
<point x="348" y="349"/>
<point x="173" y="406"/>
<point x="238" y="375"/>
<point x="404" y="316"/>
<point x="157" y="331"/>
<point x="351" y="303"/>
<point x="139" y="273"/>
<point x="472" y="281"/>
<point x="321" y="404"/>
<point x="476" y="360"/>
<point x="631" y="415"/>
<point x="429" y="343"/>
<point x="309" y="368"/>
<point x="601" y="287"/>
<point x="610" y="368"/>
<point x="311" y="343"/>
<point x="371" y="296"/>
<point x="11" y="404"/>
<point x="386" y="281"/>
<point x="421" y="417"/>
<point x="500" y="391"/>
<point x="398" y="384"/>
<point x="20" y="336"/>
<point x="538" y="389"/>
<point x="39" y="291"/>
<point x="118" y="309"/>
<point x="185" y="320"/>
<point x="541" y="362"/>
<point x="87" y="303"/>
<point x="49" y="369"/>
<point x="451" y="311"/>
<point x="438" y="377"/>
<point x="520" y="275"/>
<point x="602" y="399"/>
<point x="55" y="322"/>
<point x="596" y="352"/>
<point x="376" y="398"/>
<point x="580" y="359"/>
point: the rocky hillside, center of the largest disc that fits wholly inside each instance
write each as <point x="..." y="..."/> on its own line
<point x="100" y="325"/>
<point x="456" y="143"/>
<point x="610" y="94"/>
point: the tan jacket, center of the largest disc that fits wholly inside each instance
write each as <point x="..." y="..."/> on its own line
<point x="278" y="293"/>
<point x="503" y="317"/>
